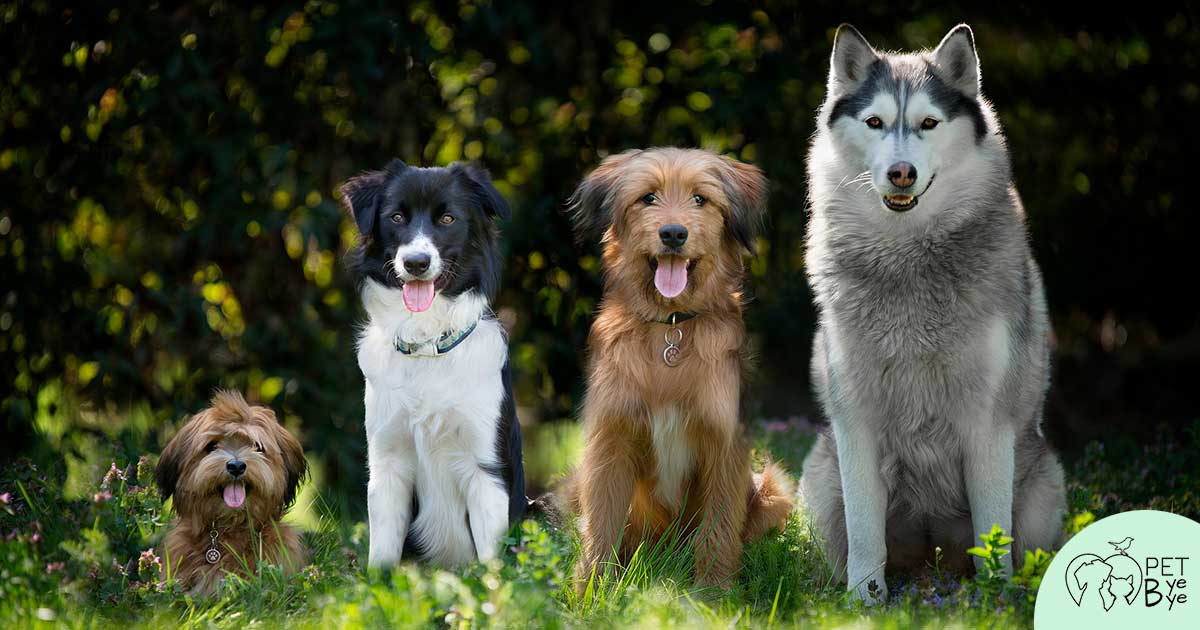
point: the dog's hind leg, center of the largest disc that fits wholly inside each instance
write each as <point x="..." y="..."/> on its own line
<point x="487" y="512"/>
<point x="821" y="495"/>
<point x="1038" y="509"/>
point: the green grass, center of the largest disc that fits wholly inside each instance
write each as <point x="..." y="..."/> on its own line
<point x="85" y="562"/>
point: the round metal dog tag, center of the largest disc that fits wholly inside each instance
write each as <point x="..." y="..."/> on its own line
<point x="671" y="355"/>
<point x="672" y="352"/>
<point x="212" y="556"/>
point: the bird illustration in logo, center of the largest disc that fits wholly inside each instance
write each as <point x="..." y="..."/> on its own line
<point x="1122" y="546"/>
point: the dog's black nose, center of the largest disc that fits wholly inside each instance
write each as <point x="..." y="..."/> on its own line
<point x="673" y="235"/>
<point x="416" y="264"/>
<point x="902" y="174"/>
<point x="236" y="467"/>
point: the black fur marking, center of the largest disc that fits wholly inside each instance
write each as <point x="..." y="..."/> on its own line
<point x="297" y="472"/>
<point x="888" y="75"/>
<point x="851" y="104"/>
<point x="480" y="185"/>
<point x="591" y="205"/>
<point x="746" y="211"/>
<point x="166" y="474"/>
<point x="508" y="447"/>
<point x="414" y="548"/>
<point x="955" y="103"/>
<point x="361" y="194"/>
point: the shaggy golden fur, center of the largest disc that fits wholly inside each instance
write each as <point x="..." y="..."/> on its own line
<point x="193" y="469"/>
<point x="629" y="385"/>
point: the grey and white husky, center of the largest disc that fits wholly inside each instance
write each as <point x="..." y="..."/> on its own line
<point x="931" y="359"/>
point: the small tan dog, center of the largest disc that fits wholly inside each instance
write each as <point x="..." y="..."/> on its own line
<point x="233" y="470"/>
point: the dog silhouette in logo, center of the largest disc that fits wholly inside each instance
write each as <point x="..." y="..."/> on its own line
<point x="1117" y="577"/>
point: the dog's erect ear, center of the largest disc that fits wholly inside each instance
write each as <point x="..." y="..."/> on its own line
<point x="851" y="60"/>
<point x="592" y="204"/>
<point x="480" y="183"/>
<point x="746" y="188"/>
<point x="957" y="62"/>
<point x="170" y="462"/>
<point x="362" y="194"/>
<point x="293" y="461"/>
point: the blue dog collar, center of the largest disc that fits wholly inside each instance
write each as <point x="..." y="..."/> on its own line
<point x="445" y="343"/>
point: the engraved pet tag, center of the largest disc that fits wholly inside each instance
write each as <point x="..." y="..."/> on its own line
<point x="671" y="354"/>
<point x="212" y="556"/>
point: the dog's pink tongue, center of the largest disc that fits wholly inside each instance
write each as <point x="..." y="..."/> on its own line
<point x="418" y="295"/>
<point x="671" y="276"/>
<point x="235" y="494"/>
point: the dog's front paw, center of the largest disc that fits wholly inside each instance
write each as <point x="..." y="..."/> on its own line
<point x="870" y="590"/>
<point x="382" y="557"/>
<point x="719" y="579"/>
<point x="584" y="573"/>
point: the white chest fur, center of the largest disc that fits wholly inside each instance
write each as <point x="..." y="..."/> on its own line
<point x="673" y="455"/>
<point x="432" y="428"/>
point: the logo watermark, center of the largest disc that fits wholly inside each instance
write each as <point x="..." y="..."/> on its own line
<point x="1129" y="568"/>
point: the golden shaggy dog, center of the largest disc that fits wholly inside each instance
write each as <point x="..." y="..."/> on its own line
<point x="661" y="414"/>
<point x="233" y="470"/>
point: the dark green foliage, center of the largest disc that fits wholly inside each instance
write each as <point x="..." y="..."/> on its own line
<point x="1119" y="475"/>
<point x="169" y="221"/>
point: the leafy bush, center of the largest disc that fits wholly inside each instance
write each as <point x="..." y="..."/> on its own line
<point x="170" y="221"/>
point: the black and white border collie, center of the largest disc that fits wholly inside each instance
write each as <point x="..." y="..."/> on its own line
<point x="443" y="441"/>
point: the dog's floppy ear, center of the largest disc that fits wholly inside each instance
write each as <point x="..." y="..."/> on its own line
<point x="480" y="183"/>
<point x="170" y="462"/>
<point x="362" y="194"/>
<point x="852" y="58"/>
<point x="591" y="205"/>
<point x="294" y="464"/>
<point x="957" y="61"/>
<point x="746" y="188"/>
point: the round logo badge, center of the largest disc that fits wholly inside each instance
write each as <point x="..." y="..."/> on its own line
<point x="1140" y="567"/>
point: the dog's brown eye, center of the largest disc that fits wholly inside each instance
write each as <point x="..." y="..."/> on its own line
<point x="446" y="219"/>
<point x="874" y="122"/>
<point x="258" y="447"/>
<point x="929" y="123"/>
<point x="397" y="217"/>
<point x="699" y="199"/>
<point x="210" y="447"/>
<point x="649" y="199"/>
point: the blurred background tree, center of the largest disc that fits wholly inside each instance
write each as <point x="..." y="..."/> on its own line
<point x="169" y="221"/>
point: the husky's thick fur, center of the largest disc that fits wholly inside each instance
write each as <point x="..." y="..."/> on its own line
<point x="931" y="359"/>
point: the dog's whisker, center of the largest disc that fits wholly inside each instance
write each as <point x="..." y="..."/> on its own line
<point x="862" y="177"/>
